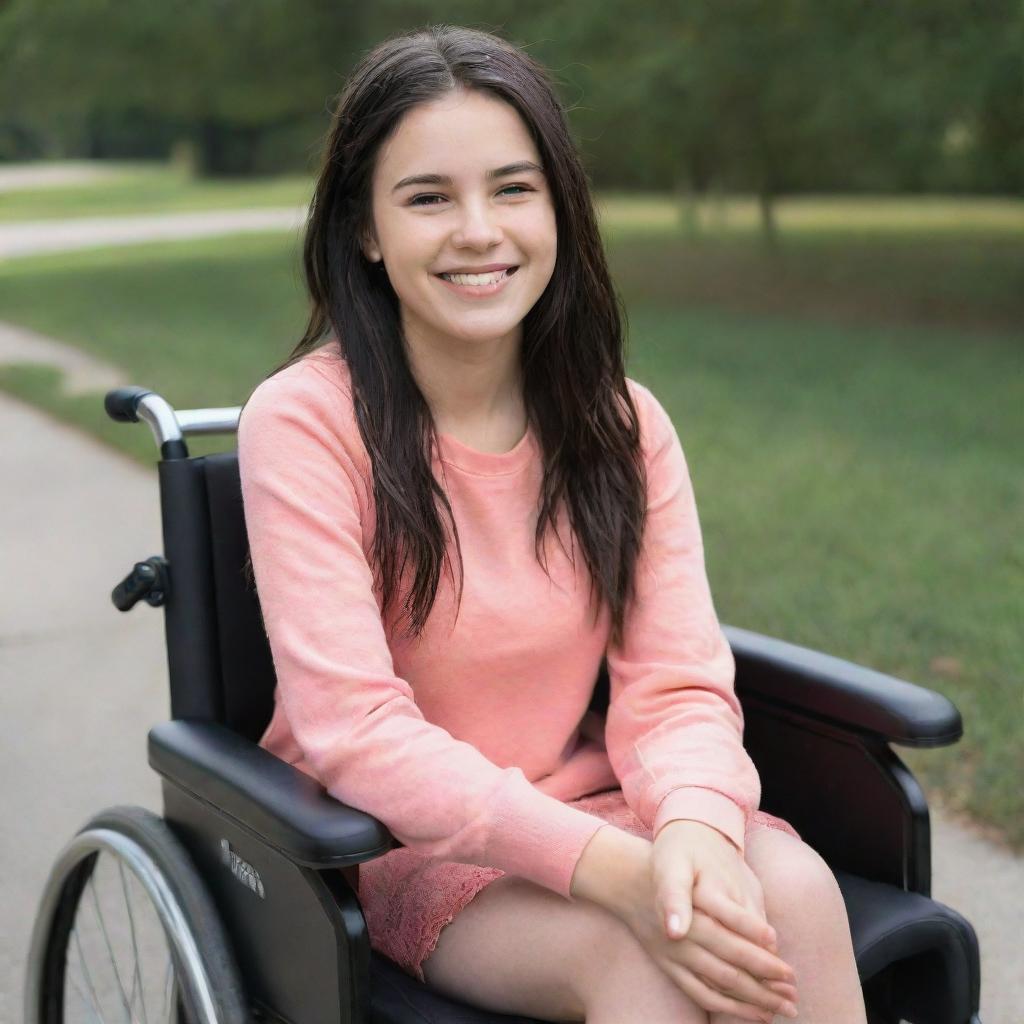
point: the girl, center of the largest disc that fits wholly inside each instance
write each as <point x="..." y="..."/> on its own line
<point x="460" y="384"/>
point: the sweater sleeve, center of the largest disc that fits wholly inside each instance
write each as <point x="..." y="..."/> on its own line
<point x="674" y="726"/>
<point x="356" y="722"/>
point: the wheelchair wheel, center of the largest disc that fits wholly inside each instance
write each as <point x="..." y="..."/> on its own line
<point x="126" y="931"/>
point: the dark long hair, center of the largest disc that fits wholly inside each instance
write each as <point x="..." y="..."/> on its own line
<point x="575" y="392"/>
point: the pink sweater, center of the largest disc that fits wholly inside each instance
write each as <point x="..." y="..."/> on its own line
<point x="468" y="743"/>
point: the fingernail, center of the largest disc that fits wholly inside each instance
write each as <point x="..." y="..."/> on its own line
<point x="789" y="1010"/>
<point x="674" y="925"/>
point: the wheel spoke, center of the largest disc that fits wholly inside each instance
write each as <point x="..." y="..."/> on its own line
<point x="110" y="950"/>
<point x="136" y="972"/>
<point x="166" y="1008"/>
<point x="147" y="909"/>
<point x="85" y="973"/>
<point x="82" y="996"/>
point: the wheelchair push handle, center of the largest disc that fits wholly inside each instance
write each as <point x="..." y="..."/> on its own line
<point x="132" y="403"/>
<point x="122" y="404"/>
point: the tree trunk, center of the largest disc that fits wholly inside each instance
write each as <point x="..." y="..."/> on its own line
<point x="687" y="209"/>
<point x="718" y="208"/>
<point x="766" y="204"/>
<point x="225" y="149"/>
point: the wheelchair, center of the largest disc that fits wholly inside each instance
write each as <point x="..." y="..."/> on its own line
<point x="241" y="902"/>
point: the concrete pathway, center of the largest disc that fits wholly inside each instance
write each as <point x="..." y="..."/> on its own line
<point x="25" y="238"/>
<point x="82" y="373"/>
<point x="55" y="173"/>
<point x="81" y="683"/>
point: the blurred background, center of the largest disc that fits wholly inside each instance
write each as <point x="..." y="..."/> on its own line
<point x="814" y="212"/>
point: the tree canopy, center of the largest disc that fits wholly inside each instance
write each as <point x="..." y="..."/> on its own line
<point x="770" y="96"/>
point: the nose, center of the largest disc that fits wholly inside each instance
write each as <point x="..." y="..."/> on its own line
<point x="478" y="227"/>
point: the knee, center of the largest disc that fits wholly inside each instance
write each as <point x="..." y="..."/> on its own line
<point x="799" y="885"/>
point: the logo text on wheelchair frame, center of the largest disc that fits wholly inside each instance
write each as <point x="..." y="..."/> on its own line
<point x="241" y="869"/>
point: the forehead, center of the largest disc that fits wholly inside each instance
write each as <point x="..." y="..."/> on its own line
<point x="459" y="134"/>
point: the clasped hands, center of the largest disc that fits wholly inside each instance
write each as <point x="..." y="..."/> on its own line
<point x="723" y="954"/>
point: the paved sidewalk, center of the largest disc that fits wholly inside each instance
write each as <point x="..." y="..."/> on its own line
<point x="81" y="683"/>
<point x="25" y="238"/>
<point x="36" y="174"/>
<point x="83" y="373"/>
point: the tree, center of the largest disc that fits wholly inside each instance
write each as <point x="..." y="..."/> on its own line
<point x="224" y="71"/>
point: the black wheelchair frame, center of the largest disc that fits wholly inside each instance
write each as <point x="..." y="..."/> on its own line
<point x="278" y="856"/>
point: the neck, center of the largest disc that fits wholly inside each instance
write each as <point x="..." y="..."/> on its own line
<point x="472" y="386"/>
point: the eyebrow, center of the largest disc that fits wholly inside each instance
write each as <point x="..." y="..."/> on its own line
<point x="520" y="167"/>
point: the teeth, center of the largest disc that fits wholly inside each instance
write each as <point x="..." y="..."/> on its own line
<point x="476" y="279"/>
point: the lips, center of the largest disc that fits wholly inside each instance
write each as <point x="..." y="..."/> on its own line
<point x="487" y="268"/>
<point x="478" y="278"/>
<point x="477" y="286"/>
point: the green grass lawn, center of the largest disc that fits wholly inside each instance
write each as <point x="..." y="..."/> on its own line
<point x="858" y="477"/>
<point x="867" y="216"/>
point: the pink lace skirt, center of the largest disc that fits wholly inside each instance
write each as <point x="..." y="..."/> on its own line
<point x="407" y="899"/>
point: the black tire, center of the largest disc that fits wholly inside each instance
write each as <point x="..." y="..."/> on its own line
<point x="205" y="975"/>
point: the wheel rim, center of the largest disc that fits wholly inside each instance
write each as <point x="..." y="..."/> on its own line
<point x="111" y="943"/>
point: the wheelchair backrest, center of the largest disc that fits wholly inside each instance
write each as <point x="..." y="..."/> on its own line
<point x="219" y="659"/>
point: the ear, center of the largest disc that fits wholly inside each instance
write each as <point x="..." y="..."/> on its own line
<point x="370" y="248"/>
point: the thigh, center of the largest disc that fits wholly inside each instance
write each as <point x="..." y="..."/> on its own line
<point x="517" y="947"/>
<point x="521" y="949"/>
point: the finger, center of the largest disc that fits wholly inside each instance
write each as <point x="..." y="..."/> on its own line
<point x="784" y="988"/>
<point x="738" y="918"/>
<point x="711" y="999"/>
<point x="675" y="900"/>
<point x="732" y="981"/>
<point x="725" y="886"/>
<point x="762" y="999"/>
<point x="750" y="902"/>
<point x="710" y="934"/>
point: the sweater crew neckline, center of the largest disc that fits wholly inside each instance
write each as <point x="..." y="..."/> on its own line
<point x="454" y="453"/>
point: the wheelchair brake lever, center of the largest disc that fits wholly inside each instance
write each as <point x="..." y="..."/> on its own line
<point x="149" y="579"/>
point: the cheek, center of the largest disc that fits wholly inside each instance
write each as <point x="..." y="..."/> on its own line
<point x="539" y="238"/>
<point x="548" y="237"/>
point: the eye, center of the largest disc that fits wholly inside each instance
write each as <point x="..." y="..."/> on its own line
<point x="426" y="199"/>
<point x="415" y="201"/>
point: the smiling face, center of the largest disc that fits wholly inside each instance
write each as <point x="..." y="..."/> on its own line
<point x="458" y="190"/>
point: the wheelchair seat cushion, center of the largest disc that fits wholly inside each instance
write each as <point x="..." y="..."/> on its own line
<point x="407" y="899"/>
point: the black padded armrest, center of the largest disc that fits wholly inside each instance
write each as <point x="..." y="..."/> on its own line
<point x="842" y="692"/>
<point x="286" y="808"/>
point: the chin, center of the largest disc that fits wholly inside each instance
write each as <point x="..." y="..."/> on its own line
<point x="479" y="333"/>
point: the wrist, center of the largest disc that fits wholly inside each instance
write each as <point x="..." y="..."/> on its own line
<point x="614" y="870"/>
<point x="692" y="827"/>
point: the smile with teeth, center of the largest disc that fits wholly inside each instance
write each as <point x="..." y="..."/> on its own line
<point x="479" y="279"/>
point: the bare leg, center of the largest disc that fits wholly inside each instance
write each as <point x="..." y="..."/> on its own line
<point x="518" y="948"/>
<point x="804" y="905"/>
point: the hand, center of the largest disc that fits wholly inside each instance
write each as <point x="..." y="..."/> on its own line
<point x="723" y="956"/>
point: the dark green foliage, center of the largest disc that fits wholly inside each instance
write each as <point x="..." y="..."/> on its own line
<point x="765" y="96"/>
